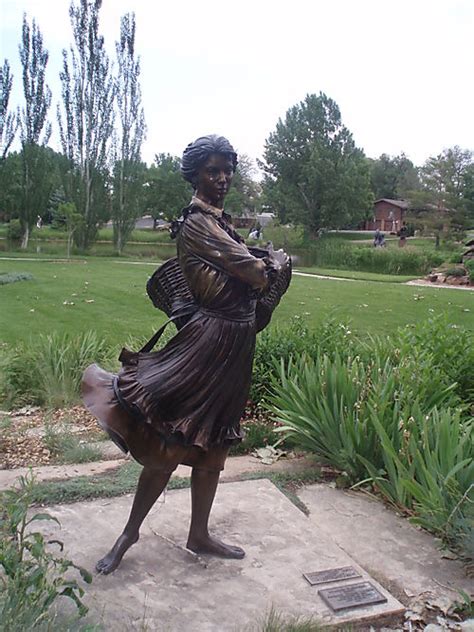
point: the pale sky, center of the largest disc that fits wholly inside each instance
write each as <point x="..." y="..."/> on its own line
<point x="401" y="71"/>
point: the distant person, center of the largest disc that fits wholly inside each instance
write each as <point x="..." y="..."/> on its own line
<point x="39" y="221"/>
<point x="403" y="234"/>
<point x="379" y="239"/>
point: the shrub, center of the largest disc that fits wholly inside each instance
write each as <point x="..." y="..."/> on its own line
<point x="447" y="348"/>
<point x="13" y="277"/>
<point x="469" y="263"/>
<point x="281" y="343"/>
<point x="456" y="272"/>
<point x="33" y="576"/>
<point x="336" y="253"/>
<point x="14" y="231"/>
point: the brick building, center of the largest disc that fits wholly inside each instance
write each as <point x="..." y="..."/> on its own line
<point x="389" y="215"/>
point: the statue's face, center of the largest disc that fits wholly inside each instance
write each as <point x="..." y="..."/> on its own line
<point x="214" y="179"/>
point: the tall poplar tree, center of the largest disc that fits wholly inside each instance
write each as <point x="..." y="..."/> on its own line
<point x="86" y="123"/>
<point x="34" y="128"/>
<point x="8" y="120"/>
<point x="128" y="173"/>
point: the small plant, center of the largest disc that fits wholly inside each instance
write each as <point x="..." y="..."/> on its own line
<point x="257" y="435"/>
<point x="274" y="621"/>
<point x="67" y="448"/>
<point x="33" y="576"/>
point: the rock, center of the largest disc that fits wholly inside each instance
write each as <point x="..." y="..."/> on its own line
<point x="467" y="626"/>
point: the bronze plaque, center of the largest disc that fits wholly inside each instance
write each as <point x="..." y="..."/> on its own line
<point x="351" y="596"/>
<point x="331" y="575"/>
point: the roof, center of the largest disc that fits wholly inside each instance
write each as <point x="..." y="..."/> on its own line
<point x="399" y="203"/>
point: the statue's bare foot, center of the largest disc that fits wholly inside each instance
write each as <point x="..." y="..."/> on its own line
<point x="113" y="558"/>
<point x="212" y="546"/>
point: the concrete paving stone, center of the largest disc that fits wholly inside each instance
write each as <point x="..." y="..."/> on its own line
<point x="401" y="556"/>
<point x="235" y="466"/>
<point x="161" y="586"/>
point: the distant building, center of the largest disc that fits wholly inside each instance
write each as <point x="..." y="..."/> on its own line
<point x="248" y="220"/>
<point x="389" y="215"/>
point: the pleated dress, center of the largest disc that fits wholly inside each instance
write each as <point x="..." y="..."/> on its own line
<point x="193" y="391"/>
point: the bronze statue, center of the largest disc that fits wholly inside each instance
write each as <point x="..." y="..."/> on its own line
<point x="183" y="403"/>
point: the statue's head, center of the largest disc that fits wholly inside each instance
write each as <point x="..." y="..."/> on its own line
<point x="198" y="153"/>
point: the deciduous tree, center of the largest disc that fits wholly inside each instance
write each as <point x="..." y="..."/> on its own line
<point x="317" y="174"/>
<point x="87" y="118"/>
<point x="393" y="177"/>
<point x="446" y="185"/>
<point x="245" y="192"/>
<point x="8" y="119"/>
<point x="35" y="129"/>
<point x="128" y="174"/>
<point x="167" y="192"/>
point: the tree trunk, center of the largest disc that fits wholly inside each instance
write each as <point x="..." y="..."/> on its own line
<point x="25" y="238"/>
<point x="119" y="240"/>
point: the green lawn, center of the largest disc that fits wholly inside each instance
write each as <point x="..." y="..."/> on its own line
<point x="104" y="234"/>
<point x="109" y="296"/>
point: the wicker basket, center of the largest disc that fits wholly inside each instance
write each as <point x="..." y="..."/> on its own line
<point x="169" y="291"/>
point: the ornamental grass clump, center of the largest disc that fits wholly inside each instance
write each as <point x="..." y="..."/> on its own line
<point x="391" y="420"/>
<point x="48" y="371"/>
<point x="325" y="404"/>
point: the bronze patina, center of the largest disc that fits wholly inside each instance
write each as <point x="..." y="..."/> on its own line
<point x="183" y="402"/>
<point x="351" y="596"/>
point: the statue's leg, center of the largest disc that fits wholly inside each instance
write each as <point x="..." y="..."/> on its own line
<point x="150" y="485"/>
<point x="203" y="490"/>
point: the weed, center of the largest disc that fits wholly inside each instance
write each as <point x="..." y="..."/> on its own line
<point x="33" y="576"/>
<point x="275" y="621"/>
<point x="67" y="447"/>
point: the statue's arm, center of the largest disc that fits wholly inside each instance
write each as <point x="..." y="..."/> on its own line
<point x="203" y="236"/>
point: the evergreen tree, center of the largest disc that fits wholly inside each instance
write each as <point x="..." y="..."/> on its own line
<point x="34" y="128"/>
<point x="86" y="123"/>
<point x="128" y="176"/>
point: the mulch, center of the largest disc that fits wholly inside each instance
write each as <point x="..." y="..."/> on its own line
<point x="21" y="438"/>
<point x="22" y="441"/>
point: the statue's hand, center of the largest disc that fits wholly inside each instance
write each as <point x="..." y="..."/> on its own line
<point x="281" y="257"/>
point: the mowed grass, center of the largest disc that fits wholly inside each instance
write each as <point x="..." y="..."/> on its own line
<point x="109" y="297"/>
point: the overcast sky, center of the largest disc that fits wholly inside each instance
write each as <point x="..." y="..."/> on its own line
<point x="401" y="71"/>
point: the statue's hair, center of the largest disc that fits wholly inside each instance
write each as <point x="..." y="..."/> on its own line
<point x="196" y="154"/>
